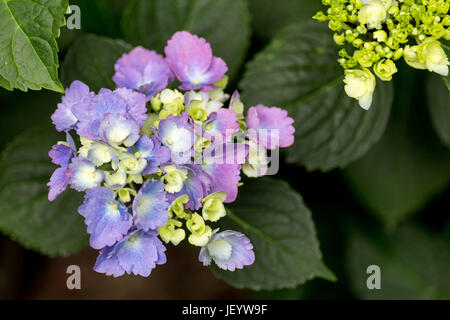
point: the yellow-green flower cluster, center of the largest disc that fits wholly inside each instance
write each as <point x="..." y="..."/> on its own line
<point x="377" y="33"/>
<point x="200" y="232"/>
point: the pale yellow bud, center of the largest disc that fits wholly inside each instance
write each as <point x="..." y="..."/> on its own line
<point x="360" y="84"/>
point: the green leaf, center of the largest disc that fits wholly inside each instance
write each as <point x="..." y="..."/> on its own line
<point x="439" y="106"/>
<point x="408" y="166"/>
<point x="224" y="23"/>
<point x="269" y="17"/>
<point x="36" y="105"/>
<point x="414" y="265"/>
<point x="25" y="212"/>
<point x="29" y="53"/>
<point x="91" y="59"/>
<point x="298" y="71"/>
<point x="447" y="81"/>
<point x="282" y="232"/>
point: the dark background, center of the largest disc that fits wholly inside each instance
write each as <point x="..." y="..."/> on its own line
<point x="337" y="212"/>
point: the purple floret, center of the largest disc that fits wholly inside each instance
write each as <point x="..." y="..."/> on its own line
<point x="142" y="70"/>
<point x="150" y="206"/>
<point x="236" y="253"/>
<point x="191" y="60"/>
<point x="151" y="149"/>
<point x="63" y="118"/>
<point x="108" y="220"/>
<point x="270" y="127"/>
<point x="223" y="124"/>
<point x="177" y="134"/>
<point x="58" y="182"/>
<point x="112" y="111"/>
<point x="61" y="154"/>
<point x="138" y="253"/>
<point x="197" y="186"/>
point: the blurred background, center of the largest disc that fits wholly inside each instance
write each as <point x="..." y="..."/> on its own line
<point x="389" y="208"/>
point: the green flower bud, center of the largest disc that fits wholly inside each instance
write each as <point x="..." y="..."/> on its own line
<point x="398" y="54"/>
<point x="437" y="31"/>
<point x="343" y="53"/>
<point x="433" y="56"/>
<point x="197" y="111"/>
<point x="99" y="154"/>
<point x="365" y="57"/>
<point x="357" y="43"/>
<point x="125" y="194"/>
<point x="200" y="232"/>
<point x="380" y="35"/>
<point x="131" y="164"/>
<point x="117" y="179"/>
<point x="155" y="102"/>
<point x="335" y="25"/>
<point x="393" y="10"/>
<point x="320" y="16"/>
<point x="339" y="39"/>
<point x="170" y="232"/>
<point x="350" y="37"/>
<point x="173" y="102"/>
<point x="446" y="21"/>
<point x="384" y="69"/>
<point x="361" y="29"/>
<point x="177" y="207"/>
<point x="174" y="178"/>
<point x="411" y="58"/>
<point x="222" y="83"/>
<point x="151" y="122"/>
<point x="447" y="35"/>
<point x="393" y="43"/>
<point x="213" y="208"/>
<point x="427" y="17"/>
<point x="218" y="95"/>
<point x="401" y="36"/>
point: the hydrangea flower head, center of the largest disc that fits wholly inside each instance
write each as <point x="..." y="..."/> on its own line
<point x="378" y="33"/>
<point x="159" y="164"/>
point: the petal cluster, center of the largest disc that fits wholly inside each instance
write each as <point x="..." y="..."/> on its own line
<point x="142" y="70"/>
<point x="378" y="33"/>
<point x="157" y="165"/>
